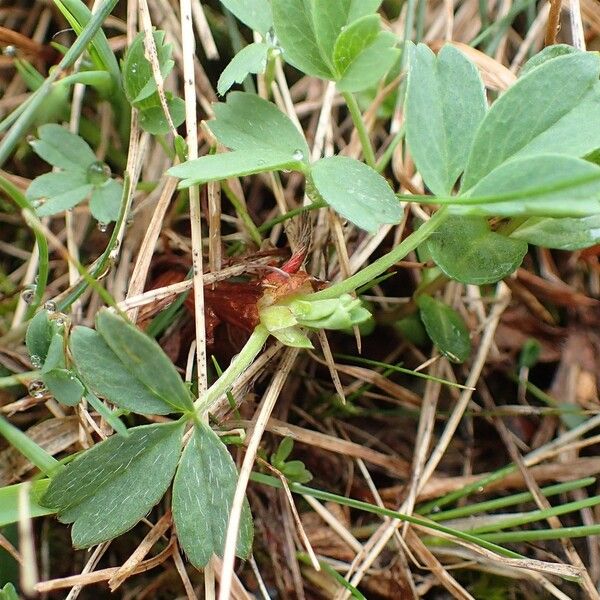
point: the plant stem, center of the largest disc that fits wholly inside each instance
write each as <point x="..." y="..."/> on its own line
<point x="381" y="265"/>
<point x="44" y="461"/>
<point x="238" y="365"/>
<point x="242" y="213"/>
<point x="503" y="502"/>
<point x="363" y="134"/>
<point x="23" y="203"/>
<point x="381" y="511"/>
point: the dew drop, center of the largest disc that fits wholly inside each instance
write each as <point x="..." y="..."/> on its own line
<point x="480" y="489"/>
<point x="36" y="361"/>
<point x="98" y="172"/>
<point x="102" y="227"/>
<point x="260" y="161"/>
<point x="61" y="319"/>
<point x="435" y="508"/>
<point x="28" y="294"/>
<point x="50" y="306"/>
<point x="36" y="389"/>
<point x="10" y="51"/>
<point x="298" y="155"/>
<point x="37" y="202"/>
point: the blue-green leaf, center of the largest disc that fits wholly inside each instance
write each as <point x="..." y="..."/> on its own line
<point x="256" y="14"/>
<point x="108" y="377"/>
<point x="546" y="185"/>
<point x="138" y="79"/>
<point x="562" y="234"/>
<point x="262" y="137"/>
<point x="466" y="249"/>
<point x="55" y="192"/>
<point x="332" y="18"/>
<point x="106" y="490"/>
<point x="203" y="492"/>
<point x="105" y="202"/>
<point x="553" y="108"/>
<point x="144" y="358"/>
<point x="356" y="192"/>
<point x="446" y="328"/>
<point x="370" y="65"/>
<point x="295" y="29"/>
<point x="445" y="103"/>
<point x="250" y="59"/>
<point x="62" y="149"/>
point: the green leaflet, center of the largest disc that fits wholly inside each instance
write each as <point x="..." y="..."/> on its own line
<point x="63" y="149"/>
<point x="202" y="495"/>
<point x="446" y="328"/>
<point x="555" y="107"/>
<point x="140" y="86"/>
<point x="250" y="59"/>
<point x="120" y="363"/>
<point x="261" y="136"/>
<point x="547" y="185"/>
<point x="445" y="103"/>
<point x="340" y="41"/>
<point x="80" y="175"/>
<point x="256" y="14"/>
<point x="357" y="192"/>
<point x="466" y="249"/>
<point x="109" y="488"/>
<point x="562" y="234"/>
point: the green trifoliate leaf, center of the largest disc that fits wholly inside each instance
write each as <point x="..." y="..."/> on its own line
<point x="356" y="192"/>
<point x="466" y="249"/>
<point x="250" y="59"/>
<point x="322" y="38"/>
<point x="123" y="365"/>
<point x="153" y="118"/>
<point x="295" y="29"/>
<point x="106" y="490"/>
<point x="369" y="67"/>
<point x="144" y="358"/>
<point x="108" y="377"/>
<point x="138" y="79"/>
<point x="54" y="192"/>
<point x="547" y="185"/>
<point x="553" y="108"/>
<point x="261" y="136"/>
<point x="64" y="386"/>
<point x="62" y="149"/>
<point x="446" y="328"/>
<point x="39" y="336"/>
<point x="445" y="103"/>
<point x="562" y="234"/>
<point x="256" y="14"/>
<point x="203" y="493"/>
<point x="105" y="202"/>
<point x="331" y="19"/>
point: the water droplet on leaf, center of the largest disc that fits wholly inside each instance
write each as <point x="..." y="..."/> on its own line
<point x="36" y="361"/>
<point x="28" y="294"/>
<point x="102" y="227"/>
<point x="36" y="389"/>
<point x="298" y="155"/>
<point x="50" y="306"/>
<point x="98" y="172"/>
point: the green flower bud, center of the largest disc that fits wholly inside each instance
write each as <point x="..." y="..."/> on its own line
<point x="292" y="336"/>
<point x="276" y="317"/>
